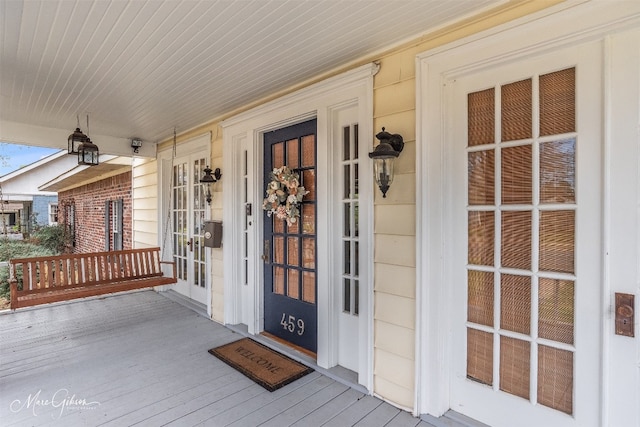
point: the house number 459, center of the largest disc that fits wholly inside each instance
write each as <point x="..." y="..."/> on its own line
<point x="291" y="324"/>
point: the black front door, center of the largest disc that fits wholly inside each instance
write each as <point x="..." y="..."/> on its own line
<point x="290" y="284"/>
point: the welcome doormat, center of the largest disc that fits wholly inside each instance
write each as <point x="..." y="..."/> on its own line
<point x="266" y="367"/>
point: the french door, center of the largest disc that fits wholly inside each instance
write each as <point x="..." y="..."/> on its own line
<point x="188" y="209"/>
<point x="526" y="228"/>
<point x="290" y="283"/>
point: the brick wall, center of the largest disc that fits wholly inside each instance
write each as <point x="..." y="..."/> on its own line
<point x="88" y="202"/>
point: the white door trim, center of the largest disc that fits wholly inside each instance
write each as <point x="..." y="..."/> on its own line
<point x="566" y="25"/>
<point x="320" y="101"/>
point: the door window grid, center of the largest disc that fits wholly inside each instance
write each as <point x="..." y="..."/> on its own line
<point x="524" y="282"/>
<point x="294" y="246"/>
<point x="199" y="203"/>
<point x="350" y="221"/>
<point x="180" y="232"/>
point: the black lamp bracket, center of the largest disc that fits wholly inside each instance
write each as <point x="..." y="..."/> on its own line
<point x="210" y="178"/>
<point x="217" y="174"/>
<point x="394" y="140"/>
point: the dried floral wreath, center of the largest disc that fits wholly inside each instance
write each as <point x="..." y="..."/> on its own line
<point x="284" y="193"/>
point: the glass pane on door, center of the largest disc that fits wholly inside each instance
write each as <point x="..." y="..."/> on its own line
<point x="350" y="221"/>
<point x="198" y="212"/>
<point x="521" y="238"/>
<point x="179" y="220"/>
<point x="294" y="244"/>
<point x="188" y="208"/>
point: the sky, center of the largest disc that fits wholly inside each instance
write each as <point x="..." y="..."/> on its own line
<point x="14" y="156"/>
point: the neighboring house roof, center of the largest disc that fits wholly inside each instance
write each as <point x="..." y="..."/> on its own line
<point x="24" y="169"/>
<point x="56" y="172"/>
<point x="23" y="183"/>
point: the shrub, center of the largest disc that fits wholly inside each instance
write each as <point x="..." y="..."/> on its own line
<point x="17" y="249"/>
<point x="4" y="283"/>
<point x="51" y="237"/>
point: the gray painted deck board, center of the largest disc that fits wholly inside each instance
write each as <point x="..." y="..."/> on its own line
<point x="282" y="404"/>
<point x="143" y="359"/>
<point x="355" y="412"/>
<point x="380" y="416"/>
<point x="233" y="414"/>
<point x="305" y="407"/>
<point x="404" y="419"/>
<point x="330" y="409"/>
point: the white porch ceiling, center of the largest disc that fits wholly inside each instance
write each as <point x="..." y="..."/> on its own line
<point x="140" y="68"/>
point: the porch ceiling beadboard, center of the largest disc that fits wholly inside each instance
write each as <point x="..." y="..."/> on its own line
<point x="140" y="68"/>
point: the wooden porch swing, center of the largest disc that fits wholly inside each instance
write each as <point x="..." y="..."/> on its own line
<point x="42" y="280"/>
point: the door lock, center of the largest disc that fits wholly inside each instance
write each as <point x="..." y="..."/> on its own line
<point x="625" y="314"/>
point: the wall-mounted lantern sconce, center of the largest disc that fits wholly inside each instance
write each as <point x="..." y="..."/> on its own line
<point x="209" y="179"/>
<point x="383" y="156"/>
<point x="75" y="139"/>
<point x="136" y="144"/>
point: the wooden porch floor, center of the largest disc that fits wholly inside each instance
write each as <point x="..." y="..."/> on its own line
<point x="141" y="359"/>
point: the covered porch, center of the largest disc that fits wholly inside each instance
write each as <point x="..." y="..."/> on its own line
<point x="141" y="358"/>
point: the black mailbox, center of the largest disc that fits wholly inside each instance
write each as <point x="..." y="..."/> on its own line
<point x="213" y="234"/>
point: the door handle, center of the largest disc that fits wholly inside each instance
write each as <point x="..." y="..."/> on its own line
<point x="266" y="251"/>
<point x="190" y="244"/>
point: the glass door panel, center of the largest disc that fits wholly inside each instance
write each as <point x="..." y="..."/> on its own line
<point x="521" y="251"/>
<point x="187" y="219"/>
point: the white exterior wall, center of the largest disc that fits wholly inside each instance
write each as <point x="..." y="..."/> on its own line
<point x="216" y="259"/>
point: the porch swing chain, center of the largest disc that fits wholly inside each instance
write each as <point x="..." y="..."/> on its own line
<point x="166" y="227"/>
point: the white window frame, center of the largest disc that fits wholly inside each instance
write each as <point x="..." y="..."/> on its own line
<point x="53" y="207"/>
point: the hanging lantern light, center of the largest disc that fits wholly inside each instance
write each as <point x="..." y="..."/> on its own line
<point x="75" y="139"/>
<point x="88" y="152"/>
<point x="383" y="157"/>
